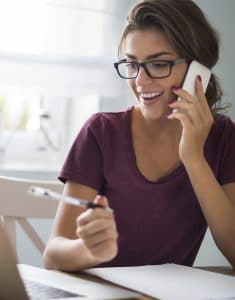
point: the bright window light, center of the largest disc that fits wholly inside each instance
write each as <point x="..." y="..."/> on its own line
<point x="20" y="111"/>
<point x="98" y="5"/>
<point x="57" y="28"/>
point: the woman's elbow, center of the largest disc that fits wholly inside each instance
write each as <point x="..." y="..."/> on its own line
<point x="48" y="259"/>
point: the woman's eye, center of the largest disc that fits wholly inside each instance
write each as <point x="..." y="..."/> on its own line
<point x="159" y="65"/>
<point x="131" y="65"/>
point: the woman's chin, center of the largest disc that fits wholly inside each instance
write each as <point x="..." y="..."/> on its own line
<point x="153" y="114"/>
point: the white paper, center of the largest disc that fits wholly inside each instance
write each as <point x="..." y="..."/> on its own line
<point x="170" y="281"/>
<point x="226" y="298"/>
<point x="74" y="284"/>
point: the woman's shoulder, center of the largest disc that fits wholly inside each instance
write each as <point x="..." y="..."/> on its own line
<point x="223" y="127"/>
<point x="111" y="119"/>
<point x="223" y="122"/>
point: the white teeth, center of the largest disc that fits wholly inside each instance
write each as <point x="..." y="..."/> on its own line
<point x="150" y="95"/>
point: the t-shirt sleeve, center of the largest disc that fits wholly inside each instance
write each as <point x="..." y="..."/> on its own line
<point x="84" y="163"/>
<point x="227" y="168"/>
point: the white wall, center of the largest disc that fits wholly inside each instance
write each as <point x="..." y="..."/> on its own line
<point x="221" y="15"/>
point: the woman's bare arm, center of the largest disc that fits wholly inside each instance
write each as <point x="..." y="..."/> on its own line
<point x="66" y="250"/>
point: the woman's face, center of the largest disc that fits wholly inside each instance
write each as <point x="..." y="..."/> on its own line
<point x="148" y="45"/>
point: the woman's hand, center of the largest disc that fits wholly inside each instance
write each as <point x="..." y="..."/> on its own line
<point x="196" y="119"/>
<point x="97" y="229"/>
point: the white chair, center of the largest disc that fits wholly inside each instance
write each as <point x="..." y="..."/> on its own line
<point x="16" y="205"/>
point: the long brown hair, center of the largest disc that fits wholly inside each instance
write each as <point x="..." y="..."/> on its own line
<point x="188" y="31"/>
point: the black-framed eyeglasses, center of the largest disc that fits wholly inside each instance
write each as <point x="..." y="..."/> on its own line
<point x="154" y="69"/>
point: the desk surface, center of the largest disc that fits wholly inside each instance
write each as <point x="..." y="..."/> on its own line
<point x="28" y="271"/>
<point x="221" y="270"/>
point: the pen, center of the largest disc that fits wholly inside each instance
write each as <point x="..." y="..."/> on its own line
<point x="47" y="193"/>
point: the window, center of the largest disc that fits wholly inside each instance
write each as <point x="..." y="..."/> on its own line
<point x="53" y="28"/>
<point x="56" y="68"/>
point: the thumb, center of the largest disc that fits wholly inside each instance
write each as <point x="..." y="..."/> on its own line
<point x="102" y="200"/>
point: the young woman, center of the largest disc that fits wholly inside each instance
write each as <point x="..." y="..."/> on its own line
<point x="166" y="173"/>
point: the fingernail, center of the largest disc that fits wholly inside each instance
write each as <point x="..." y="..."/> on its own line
<point x="174" y="88"/>
<point x="199" y="78"/>
<point x="100" y="199"/>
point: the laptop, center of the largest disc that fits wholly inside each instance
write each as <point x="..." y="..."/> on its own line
<point x="24" y="282"/>
<point x="11" y="284"/>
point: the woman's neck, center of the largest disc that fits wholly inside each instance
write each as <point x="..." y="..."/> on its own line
<point x="160" y="130"/>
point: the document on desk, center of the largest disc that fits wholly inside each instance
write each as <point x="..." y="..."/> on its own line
<point x="171" y="281"/>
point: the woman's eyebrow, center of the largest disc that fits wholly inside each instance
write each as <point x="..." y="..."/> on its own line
<point x="155" y="55"/>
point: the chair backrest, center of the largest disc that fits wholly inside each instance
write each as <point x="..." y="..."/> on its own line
<point x="16" y="205"/>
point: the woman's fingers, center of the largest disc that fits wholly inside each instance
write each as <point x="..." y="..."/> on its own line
<point x="99" y="237"/>
<point x="195" y="106"/>
<point x="201" y="95"/>
<point x="92" y="214"/>
<point x="97" y="213"/>
<point x="97" y="229"/>
<point x="187" y="108"/>
<point x="183" y="118"/>
<point x="93" y="227"/>
<point x="105" y="250"/>
<point x="102" y="200"/>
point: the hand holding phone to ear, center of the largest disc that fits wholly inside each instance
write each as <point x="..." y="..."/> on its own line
<point x="193" y="112"/>
<point x="195" y="69"/>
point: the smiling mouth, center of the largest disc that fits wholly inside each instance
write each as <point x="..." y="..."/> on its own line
<point x="150" y="96"/>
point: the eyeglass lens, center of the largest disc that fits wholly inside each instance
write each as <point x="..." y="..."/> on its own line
<point x="155" y="69"/>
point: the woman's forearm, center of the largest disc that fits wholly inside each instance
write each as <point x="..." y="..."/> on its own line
<point x="218" y="209"/>
<point x="68" y="255"/>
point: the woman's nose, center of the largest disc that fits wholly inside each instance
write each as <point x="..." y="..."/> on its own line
<point x="142" y="77"/>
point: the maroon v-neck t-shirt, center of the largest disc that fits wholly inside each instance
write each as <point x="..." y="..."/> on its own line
<point x="158" y="222"/>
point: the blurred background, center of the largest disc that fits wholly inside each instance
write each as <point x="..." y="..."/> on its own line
<point x="56" y="69"/>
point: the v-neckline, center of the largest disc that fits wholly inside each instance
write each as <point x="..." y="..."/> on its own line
<point x="178" y="170"/>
